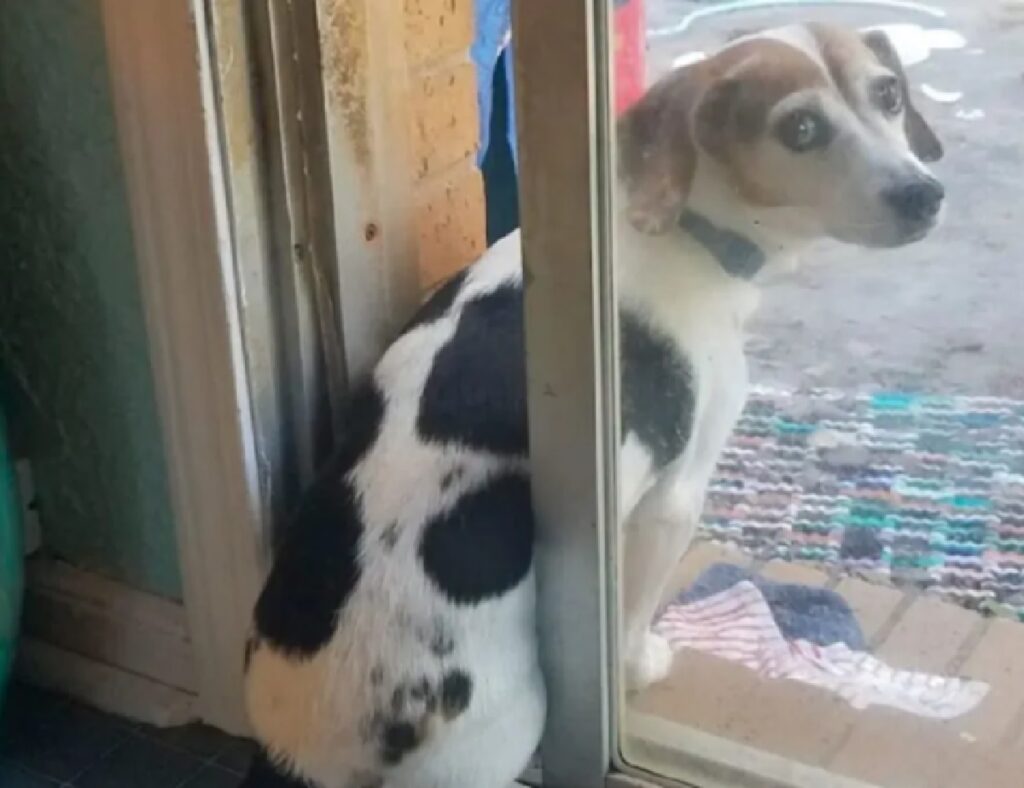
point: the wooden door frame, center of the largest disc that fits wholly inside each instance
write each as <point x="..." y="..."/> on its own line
<point x="197" y="158"/>
<point x="160" y="75"/>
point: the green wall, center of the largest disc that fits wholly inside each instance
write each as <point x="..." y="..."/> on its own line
<point x="73" y="344"/>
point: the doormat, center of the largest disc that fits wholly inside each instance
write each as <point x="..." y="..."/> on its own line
<point x="914" y="489"/>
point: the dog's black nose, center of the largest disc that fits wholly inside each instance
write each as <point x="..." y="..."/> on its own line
<point x="918" y="201"/>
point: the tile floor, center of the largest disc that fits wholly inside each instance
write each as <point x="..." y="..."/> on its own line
<point x="48" y="741"/>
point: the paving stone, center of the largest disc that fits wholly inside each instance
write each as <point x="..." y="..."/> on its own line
<point x="789" y="572"/>
<point x="928" y="636"/>
<point x="873" y="605"/>
<point x="702" y="692"/>
<point x="998" y="659"/>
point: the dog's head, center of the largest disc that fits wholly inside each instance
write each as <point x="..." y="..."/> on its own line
<point x="813" y="119"/>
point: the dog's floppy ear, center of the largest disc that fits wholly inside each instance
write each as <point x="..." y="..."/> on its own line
<point x="923" y="142"/>
<point x="657" y="153"/>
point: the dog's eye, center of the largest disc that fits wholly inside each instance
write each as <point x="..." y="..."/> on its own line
<point x="804" y="130"/>
<point x="888" y="95"/>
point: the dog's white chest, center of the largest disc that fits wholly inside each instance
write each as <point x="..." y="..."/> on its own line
<point x="720" y="402"/>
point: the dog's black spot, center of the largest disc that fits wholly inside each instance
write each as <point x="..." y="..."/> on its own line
<point x="315" y="571"/>
<point x="456" y="691"/>
<point x="482" y="546"/>
<point x="452" y="476"/>
<point x="437" y="637"/>
<point x="389" y="537"/>
<point x="401" y="722"/>
<point x="439" y="302"/>
<point x="421" y="690"/>
<point x="265" y="773"/>
<point x="442" y="644"/>
<point x="398" y="698"/>
<point x="657" y="390"/>
<point x="317" y="563"/>
<point x="377" y="675"/>
<point x="397" y="740"/>
<point x="475" y="394"/>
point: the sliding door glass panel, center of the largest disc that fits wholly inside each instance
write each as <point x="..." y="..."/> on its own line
<point x="817" y="565"/>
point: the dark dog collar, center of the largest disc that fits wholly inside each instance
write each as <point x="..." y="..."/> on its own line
<point x="737" y="254"/>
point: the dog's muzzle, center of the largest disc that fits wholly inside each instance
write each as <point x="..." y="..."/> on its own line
<point x="917" y="202"/>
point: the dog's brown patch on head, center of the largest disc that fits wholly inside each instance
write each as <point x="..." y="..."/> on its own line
<point x="721" y="105"/>
<point x="753" y="77"/>
<point x="842" y="51"/>
<point x="657" y="154"/>
<point x="845" y="52"/>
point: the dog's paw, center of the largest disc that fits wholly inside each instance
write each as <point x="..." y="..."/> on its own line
<point x="650" y="664"/>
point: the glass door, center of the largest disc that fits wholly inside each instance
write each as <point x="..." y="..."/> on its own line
<point x="777" y="414"/>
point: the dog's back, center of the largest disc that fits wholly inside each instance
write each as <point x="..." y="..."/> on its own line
<point x="394" y="641"/>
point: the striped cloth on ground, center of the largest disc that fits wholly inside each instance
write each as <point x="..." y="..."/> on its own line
<point x="737" y="625"/>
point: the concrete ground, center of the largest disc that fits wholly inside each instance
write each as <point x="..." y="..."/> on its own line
<point x="947" y="314"/>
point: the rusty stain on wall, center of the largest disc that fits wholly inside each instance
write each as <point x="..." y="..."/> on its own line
<point x="344" y="46"/>
<point x="436" y="110"/>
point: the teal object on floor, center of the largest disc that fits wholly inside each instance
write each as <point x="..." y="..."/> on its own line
<point x="11" y="560"/>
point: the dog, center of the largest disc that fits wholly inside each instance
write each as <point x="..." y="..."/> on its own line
<point x="394" y="644"/>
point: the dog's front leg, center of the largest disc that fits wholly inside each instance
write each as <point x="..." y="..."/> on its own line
<point x="655" y="537"/>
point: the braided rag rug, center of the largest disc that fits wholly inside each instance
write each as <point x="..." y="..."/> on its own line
<point x="923" y="490"/>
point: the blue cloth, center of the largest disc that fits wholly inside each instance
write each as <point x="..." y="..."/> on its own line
<point x="493" y="24"/>
<point x="802" y="612"/>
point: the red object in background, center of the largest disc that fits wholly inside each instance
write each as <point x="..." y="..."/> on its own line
<point x="630" y="51"/>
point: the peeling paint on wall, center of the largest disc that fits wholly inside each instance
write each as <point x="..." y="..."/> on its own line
<point x="72" y="333"/>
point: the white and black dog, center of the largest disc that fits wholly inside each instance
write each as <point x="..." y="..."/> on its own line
<point x="394" y="643"/>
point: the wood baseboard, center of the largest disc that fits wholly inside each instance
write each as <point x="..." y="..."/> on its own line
<point x="104" y="687"/>
<point x="119" y="649"/>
